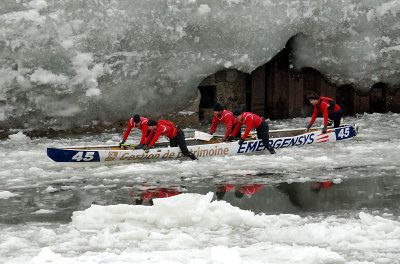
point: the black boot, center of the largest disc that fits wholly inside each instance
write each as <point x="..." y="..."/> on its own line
<point x="271" y="150"/>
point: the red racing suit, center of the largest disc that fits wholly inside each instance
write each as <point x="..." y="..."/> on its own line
<point x="250" y="189"/>
<point x="327" y="185"/>
<point x="158" y="193"/>
<point x="251" y="120"/>
<point x="225" y="188"/>
<point x="142" y="126"/>
<point x="226" y="118"/>
<point x="164" y="128"/>
<point x="148" y="194"/>
<point x="325" y="105"/>
<point x="166" y="192"/>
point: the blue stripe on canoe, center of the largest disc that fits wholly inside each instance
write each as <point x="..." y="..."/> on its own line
<point x="66" y="155"/>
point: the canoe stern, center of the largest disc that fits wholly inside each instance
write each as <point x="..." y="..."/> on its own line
<point x="69" y="155"/>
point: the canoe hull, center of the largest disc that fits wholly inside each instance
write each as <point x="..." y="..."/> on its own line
<point x="114" y="154"/>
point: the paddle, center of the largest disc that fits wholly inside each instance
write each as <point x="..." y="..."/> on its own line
<point x="205" y="136"/>
<point x="202" y="136"/>
<point x="128" y="146"/>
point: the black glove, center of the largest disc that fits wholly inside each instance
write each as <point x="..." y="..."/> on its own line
<point x="324" y="129"/>
<point x="308" y="127"/>
<point x="141" y="145"/>
<point x="122" y="142"/>
<point x="241" y="140"/>
<point x="147" y="147"/>
<point x="230" y="138"/>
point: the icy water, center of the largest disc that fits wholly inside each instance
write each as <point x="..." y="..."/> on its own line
<point x="326" y="203"/>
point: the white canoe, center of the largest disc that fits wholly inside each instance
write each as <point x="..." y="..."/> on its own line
<point x="202" y="146"/>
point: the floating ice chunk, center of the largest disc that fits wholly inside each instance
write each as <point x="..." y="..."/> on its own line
<point x="20" y="137"/>
<point x="228" y="64"/>
<point x="48" y="256"/>
<point x="51" y="189"/>
<point x="391" y="7"/>
<point x="43" y="211"/>
<point x="42" y="76"/>
<point x="67" y="44"/>
<point x="204" y="9"/>
<point x="223" y="254"/>
<point x="7" y="194"/>
<point x="378" y="224"/>
<point x="38" y="4"/>
<point x="93" y="92"/>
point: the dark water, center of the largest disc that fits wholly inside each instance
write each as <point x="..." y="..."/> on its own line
<point x="378" y="195"/>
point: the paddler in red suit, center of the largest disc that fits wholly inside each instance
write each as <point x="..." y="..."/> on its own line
<point x="166" y="192"/>
<point x="317" y="186"/>
<point x="168" y="129"/>
<point x="226" y="117"/>
<point x="252" y="121"/>
<point x="247" y="189"/>
<point x="139" y="123"/>
<point x="330" y="110"/>
<point x="222" y="189"/>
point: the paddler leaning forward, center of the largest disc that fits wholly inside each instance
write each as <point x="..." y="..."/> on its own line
<point x="224" y="116"/>
<point x="139" y="123"/>
<point x="252" y="121"/>
<point x="168" y="129"/>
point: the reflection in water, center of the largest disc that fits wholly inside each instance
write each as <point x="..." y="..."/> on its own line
<point x="379" y="195"/>
<point x="239" y="190"/>
<point x="260" y="194"/>
<point x="140" y="197"/>
<point x="298" y="195"/>
<point x="223" y="189"/>
<point x="317" y="186"/>
<point x="249" y="190"/>
<point x="303" y="195"/>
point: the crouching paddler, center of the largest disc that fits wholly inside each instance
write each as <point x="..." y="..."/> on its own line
<point x="139" y="123"/>
<point x="226" y="117"/>
<point x="168" y="129"/>
<point x="329" y="109"/>
<point x="252" y="121"/>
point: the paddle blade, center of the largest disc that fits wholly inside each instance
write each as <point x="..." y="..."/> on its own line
<point x="202" y="136"/>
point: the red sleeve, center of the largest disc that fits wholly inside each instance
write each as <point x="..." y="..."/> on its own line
<point x="148" y="139"/>
<point x="237" y="128"/>
<point x="162" y="193"/>
<point x="148" y="194"/>
<point x="337" y="107"/>
<point x="156" y="136"/>
<point x="228" y="125"/>
<point x="252" y="189"/>
<point x="258" y="187"/>
<point x="128" y="130"/>
<point x="228" y="187"/>
<point x="249" y="122"/>
<point x="214" y="125"/>
<point x="324" y="108"/>
<point x="144" y="134"/>
<point x="314" y="115"/>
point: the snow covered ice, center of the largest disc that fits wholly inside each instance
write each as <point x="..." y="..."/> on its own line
<point x="67" y="63"/>
<point x="55" y="214"/>
<point x="189" y="228"/>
